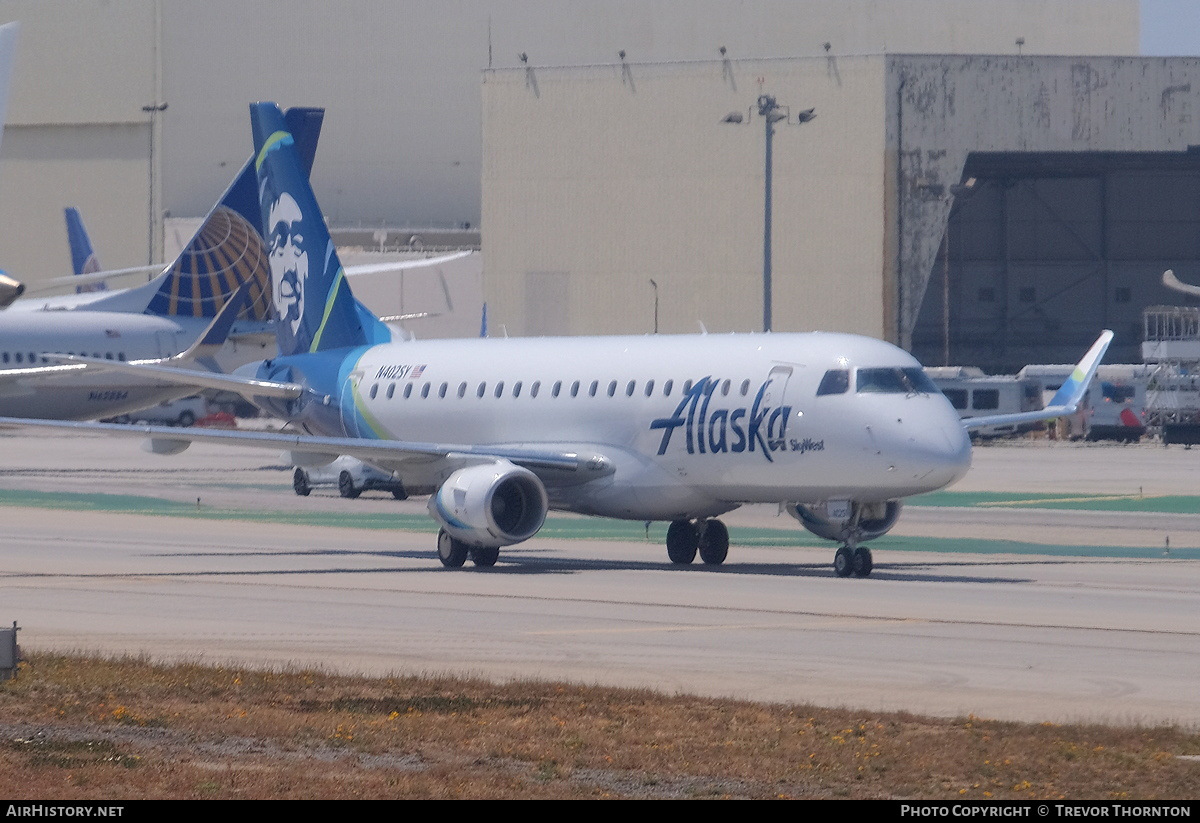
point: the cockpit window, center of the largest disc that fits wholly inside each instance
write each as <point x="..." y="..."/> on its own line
<point x="835" y="381"/>
<point x="895" y="380"/>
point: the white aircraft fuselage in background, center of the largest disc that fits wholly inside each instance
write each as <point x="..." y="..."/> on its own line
<point x="31" y="387"/>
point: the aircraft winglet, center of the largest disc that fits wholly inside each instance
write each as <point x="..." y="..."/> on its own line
<point x="1065" y="401"/>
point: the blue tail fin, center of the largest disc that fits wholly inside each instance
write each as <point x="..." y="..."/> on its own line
<point x="228" y="249"/>
<point x="315" y="310"/>
<point x="83" y="257"/>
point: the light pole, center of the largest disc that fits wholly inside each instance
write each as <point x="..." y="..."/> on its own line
<point x="771" y="113"/>
<point x="152" y="204"/>
<point x="655" y="285"/>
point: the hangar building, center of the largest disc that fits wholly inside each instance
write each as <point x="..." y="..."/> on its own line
<point x="600" y="162"/>
<point x="1066" y="185"/>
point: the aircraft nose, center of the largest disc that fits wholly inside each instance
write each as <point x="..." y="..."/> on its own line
<point x="936" y="452"/>
<point x="951" y="457"/>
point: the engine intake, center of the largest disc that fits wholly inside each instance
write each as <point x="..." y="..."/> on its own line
<point x="492" y="504"/>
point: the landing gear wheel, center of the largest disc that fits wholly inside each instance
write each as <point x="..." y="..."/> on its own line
<point x="485" y="555"/>
<point x="714" y="542"/>
<point x="300" y="483"/>
<point x="346" y="486"/>
<point x="863" y="562"/>
<point x="452" y="552"/>
<point x="683" y="538"/>
<point x="400" y="494"/>
<point x="843" y="562"/>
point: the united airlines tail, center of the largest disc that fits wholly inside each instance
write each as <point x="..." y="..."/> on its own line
<point x="227" y="251"/>
<point x="83" y="257"/>
<point x="315" y="309"/>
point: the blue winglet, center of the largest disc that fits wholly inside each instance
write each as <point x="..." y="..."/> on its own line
<point x="1065" y="401"/>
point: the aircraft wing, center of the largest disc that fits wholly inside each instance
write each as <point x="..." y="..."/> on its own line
<point x="187" y="377"/>
<point x="386" y="454"/>
<point x="404" y="265"/>
<point x="1065" y="401"/>
<point x="94" y="277"/>
<point x="1172" y="282"/>
<point x="73" y="280"/>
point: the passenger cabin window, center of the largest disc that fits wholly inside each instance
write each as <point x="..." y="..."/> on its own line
<point x="533" y="390"/>
<point x="517" y="389"/>
<point x="425" y="390"/>
<point x="592" y="390"/>
<point x="835" y="381"/>
<point x="462" y="389"/>
<point x="482" y="389"/>
<point x="957" y="397"/>
<point x="612" y="388"/>
<point x="649" y="388"/>
<point x="667" y="388"/>
<point x="391" y="390"/>
<point x="554" y="392"/>
<point x="407" y="390"/>
<point x="499" y="388"/>
<point x="374" y="390"/>
<point x="575" y="389"/>
<point x="629" y="389"/>
<point x="894" y="380"/>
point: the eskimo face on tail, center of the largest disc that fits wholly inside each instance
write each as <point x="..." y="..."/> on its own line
<point x="289" y="261"/>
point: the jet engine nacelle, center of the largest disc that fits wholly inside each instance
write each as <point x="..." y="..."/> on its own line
<point x="832" y="521"/>
<point x="10" y="290"/>
<point x="492" y="504"/>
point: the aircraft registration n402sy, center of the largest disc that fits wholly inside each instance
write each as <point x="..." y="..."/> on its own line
<point x="837" y="427"/>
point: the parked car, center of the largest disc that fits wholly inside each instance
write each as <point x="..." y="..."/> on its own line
<point x="350" y="476"/>
<point x="183" y="412"/>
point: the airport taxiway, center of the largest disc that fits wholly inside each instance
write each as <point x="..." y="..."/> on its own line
<point x="209" y="555"/>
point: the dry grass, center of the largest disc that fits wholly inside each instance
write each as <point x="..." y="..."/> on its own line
<point x="75" y="728"/>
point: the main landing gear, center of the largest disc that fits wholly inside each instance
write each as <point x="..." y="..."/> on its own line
<point x="687" y="537"/>
<point x="454" y="552"/>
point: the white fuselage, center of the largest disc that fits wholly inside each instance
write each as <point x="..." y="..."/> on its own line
<point x="694" y="425"/>
<point x="27" y="334"/>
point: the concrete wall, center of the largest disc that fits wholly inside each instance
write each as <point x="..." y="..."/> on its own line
<point x="615" y="177"/>
<point x="401" y="80"/>
<point x="943" y="108"/>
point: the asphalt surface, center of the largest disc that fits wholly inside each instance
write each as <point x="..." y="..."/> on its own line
<point x="1057" y="582"/>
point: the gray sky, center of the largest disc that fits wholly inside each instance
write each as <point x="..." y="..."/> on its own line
<point x="1171" y="27"/>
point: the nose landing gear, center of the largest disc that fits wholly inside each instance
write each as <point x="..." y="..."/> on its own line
<point x="853" y="561"/>
<point x="851" y="558"/>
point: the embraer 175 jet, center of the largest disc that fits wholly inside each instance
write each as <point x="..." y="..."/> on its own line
<point x="838" y="427"/>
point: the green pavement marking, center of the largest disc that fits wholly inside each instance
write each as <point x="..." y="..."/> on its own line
<point x="1171" y="503"/>
<point x="597" y="528"/>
